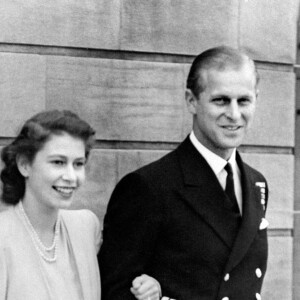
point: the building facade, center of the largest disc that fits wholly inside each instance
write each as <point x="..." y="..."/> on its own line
<point x="122" y="65"/>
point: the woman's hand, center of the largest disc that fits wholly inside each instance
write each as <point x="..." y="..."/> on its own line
<point x="146" y="287"/>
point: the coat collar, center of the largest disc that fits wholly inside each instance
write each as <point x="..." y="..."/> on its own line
<point x="205" y="195"/>
<point x="84" y="263"/>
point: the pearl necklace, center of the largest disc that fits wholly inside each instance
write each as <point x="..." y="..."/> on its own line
<point x="40" y="247"/>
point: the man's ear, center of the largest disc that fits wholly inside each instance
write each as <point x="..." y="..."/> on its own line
<point x="23" y="164"/>
<point x="191" y="101"/>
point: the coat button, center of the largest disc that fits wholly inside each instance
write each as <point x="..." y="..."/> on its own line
<point x="263" y="201"/>
<point x="226" y="277"/>
<point x="258" y="272"/>
<point x="225" y="298"/>
<point x="258" y="296"/>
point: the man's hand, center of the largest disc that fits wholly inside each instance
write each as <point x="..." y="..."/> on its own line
<point x="145" y="287"/>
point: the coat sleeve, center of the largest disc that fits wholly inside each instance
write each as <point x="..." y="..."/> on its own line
<point x="96" y="229"/>
<point x="131" y="228"/>
<point x="3" y="276"/>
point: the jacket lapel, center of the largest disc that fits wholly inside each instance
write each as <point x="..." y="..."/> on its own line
<point x="252" y="215"/>
<point x="204" y="193"/>
<point x="76" y="253"/>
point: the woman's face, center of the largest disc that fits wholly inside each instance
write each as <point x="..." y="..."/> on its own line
<point x="56" y="172"/>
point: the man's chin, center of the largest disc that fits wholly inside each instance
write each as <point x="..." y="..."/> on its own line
<point x="231" y="144"/>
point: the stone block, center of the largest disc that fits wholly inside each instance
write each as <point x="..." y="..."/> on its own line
<point x="278" y="281"/>
<point x="268" y="29"/>
<point x="123" y="100"/>
<point x="182" y="27"/>
<point x="278" y="169"/>
<point x="22" y="92"/>
<point x="274" y="123"/>
<point x="83" y="24"/>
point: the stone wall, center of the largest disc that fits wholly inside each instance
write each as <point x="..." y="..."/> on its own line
<point x="122" y="65"/>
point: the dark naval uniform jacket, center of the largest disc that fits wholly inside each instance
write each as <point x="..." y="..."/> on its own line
<point x="169" y="220"/>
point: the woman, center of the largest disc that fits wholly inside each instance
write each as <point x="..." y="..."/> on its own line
<point x="46" y="251"/>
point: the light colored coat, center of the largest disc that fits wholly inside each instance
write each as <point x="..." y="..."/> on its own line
<point x="22" y="275"/>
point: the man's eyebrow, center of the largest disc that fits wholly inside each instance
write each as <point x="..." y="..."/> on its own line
<point x="56" y="155"/>
<point x="245" y="96"/>
<point x="220" y="96"/>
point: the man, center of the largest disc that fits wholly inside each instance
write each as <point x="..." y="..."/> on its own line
<point x="189" y="220"/>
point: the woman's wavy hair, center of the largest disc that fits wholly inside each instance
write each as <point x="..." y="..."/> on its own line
<point x="34" y="134"/>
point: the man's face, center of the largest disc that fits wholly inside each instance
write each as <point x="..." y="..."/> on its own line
<point x="224" y="110"/>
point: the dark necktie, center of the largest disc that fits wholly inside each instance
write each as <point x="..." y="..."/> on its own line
<point x="229" y="190"/>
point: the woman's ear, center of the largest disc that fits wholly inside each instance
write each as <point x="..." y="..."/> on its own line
<point x="22" y="163"/>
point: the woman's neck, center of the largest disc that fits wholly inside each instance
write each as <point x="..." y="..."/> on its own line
<point x="42" y="219"/>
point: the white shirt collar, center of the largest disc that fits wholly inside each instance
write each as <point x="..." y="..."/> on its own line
<point x="216" y="162"/>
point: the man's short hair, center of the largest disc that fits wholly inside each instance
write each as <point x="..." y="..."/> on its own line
<point x="218" y="58"/>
